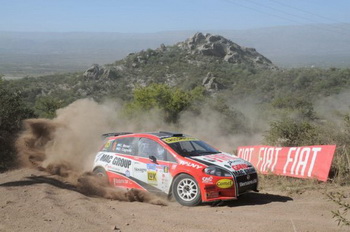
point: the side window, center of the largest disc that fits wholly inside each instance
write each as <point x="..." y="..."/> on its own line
<point x="124" y="146"/>
<point x="170" y="157"/>
<point x="148" y="147"/>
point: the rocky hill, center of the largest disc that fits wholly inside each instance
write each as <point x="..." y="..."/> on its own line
<point x="211" y="61"/>
<point x="218" y="46"/>
<point x="199" y="60"/>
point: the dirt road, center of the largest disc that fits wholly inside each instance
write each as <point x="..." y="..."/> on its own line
<point x="31" y="200"/>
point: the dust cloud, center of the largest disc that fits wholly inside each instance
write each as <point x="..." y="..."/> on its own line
<point x="66" y="145"/>
<point x="333" y="108"/>
<point x="210" y="125"/>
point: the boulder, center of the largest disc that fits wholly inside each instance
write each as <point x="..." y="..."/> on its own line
<point x="209" y="83"/>
<point x="96" y="72"/>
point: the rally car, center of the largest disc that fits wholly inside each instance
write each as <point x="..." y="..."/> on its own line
<point x="174" y="164"/>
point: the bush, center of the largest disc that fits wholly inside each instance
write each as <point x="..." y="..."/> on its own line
<point x="12" y="112"/>
<point x="291" y="132"/>
<point x="45" y="107"/>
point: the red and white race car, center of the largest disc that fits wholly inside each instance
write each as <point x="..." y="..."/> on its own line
<point x="174" y="164"/>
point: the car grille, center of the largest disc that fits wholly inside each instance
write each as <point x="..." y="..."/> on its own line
<point x="247" y="182"/>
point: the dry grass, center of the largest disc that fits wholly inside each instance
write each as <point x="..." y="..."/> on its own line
<point x="289" y="185"/>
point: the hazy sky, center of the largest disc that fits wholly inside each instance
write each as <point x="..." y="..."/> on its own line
<point x="165" y="15"/>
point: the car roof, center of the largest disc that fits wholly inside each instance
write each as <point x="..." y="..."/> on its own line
<point x="160" y="134"/>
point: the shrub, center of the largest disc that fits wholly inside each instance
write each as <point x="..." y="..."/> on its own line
<point x="12" y="112"/>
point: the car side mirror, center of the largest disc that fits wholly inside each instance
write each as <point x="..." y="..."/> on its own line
<point x="153" y="158"/>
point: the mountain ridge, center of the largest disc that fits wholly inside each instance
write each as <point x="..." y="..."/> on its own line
<point x="286" y="46"/>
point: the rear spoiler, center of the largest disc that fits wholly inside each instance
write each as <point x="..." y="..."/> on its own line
<point x="113" y="134"/>
<point x="173" y="134"/>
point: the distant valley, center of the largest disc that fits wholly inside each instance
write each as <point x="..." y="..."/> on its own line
<point x="41" y="53"/>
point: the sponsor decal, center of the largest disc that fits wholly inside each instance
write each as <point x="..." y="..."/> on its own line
<point x="106" y="158"/>
<point x="107" y="145"/>
<point x="207" y="180"/>
<point x="224" y="183"/>
<point x="151" y="167"/>
<point x="242" y="184"/>
<point x="124" y="148"/>
<point x="166" y="169"/>
<point x="162" y="168"/>
<point x="189" y="164"/>
<point x="178" y="139"/>
<point x="142" y="170"/>
<point x="118" y="181"/>
<point x="152" y="177"/>
<point x="301" y="162"/>
<point x="220" y="157"/>
<point x="121" y="162"/>
<point x="164" y="185"/>
<point x="238" y="167"/>
<point x="114" y="168"/>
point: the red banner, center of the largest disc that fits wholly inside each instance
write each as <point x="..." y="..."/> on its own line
<point x="300" y="162"/>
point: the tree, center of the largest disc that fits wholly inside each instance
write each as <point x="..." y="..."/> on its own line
<point x="46" y="106"/>
<point x="172" y="101"/>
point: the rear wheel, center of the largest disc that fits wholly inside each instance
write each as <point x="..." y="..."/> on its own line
<point x="101" y="173"/>
<point x="186" y="190"/>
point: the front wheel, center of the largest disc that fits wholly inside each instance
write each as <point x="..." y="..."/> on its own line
<point x="186" y="190"/>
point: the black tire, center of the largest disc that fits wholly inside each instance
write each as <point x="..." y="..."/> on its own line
<point x="186" y="190"/>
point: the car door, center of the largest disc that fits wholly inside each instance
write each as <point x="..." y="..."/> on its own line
<point x="153" y="164"/>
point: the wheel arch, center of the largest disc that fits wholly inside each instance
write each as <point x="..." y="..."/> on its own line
<point x="97" y="167"/>
<point x="174" y="178"/>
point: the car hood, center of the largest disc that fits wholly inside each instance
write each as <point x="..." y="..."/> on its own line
<point x="228" y="162"/>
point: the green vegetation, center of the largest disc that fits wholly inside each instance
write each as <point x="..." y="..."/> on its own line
<point x="172" y="101"/>
<point x="174" y="81"/>
<point x="12" y="112"/>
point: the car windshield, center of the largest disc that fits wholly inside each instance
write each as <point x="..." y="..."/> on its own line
<point x="192" y="148"/>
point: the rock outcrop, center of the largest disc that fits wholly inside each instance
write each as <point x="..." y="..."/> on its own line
<point x="209" y="83"/>
<point x="218" y="46"/>
<point x="99" y="72"/>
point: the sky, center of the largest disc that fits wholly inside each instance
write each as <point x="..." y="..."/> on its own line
<point x="147" y="16"/>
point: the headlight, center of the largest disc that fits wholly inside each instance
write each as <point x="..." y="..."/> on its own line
<point x="215" y="171"/>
